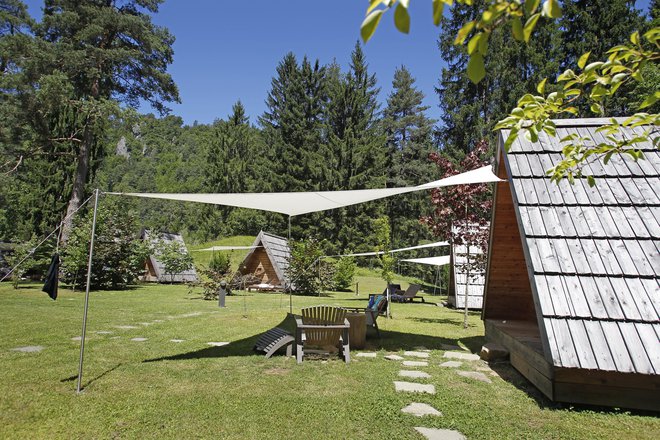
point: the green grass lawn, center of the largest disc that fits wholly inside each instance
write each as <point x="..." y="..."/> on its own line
<point x="162" y="389"/>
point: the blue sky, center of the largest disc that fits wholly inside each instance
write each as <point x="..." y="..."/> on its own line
<point x="228" y="50"/>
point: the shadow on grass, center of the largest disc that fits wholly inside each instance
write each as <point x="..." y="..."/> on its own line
<point x="390" y="341"/>
<point x="93" y="379"/>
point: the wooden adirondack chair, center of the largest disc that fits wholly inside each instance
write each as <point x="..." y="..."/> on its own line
<point x="322" y="327"/>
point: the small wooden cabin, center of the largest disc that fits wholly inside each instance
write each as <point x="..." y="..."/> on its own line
<point x="268" y="260"/>
<point x="155" y="270"/>
<point x="458" y="276"/>
<point x="572" y="284"/>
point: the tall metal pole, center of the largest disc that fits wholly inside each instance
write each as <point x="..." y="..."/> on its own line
<point x="89" y="277"/>
<point x="290" y="287"/>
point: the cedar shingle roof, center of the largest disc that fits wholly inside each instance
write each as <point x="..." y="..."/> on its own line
<point x="594" y="252"/>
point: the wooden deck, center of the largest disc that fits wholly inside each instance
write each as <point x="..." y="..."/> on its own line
<point x="574" y="385"/>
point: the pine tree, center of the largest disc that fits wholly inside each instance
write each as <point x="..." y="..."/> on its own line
<point x="470" y="111"/>
<point x="358" y="147"/>
<point x="409" y="141"/>
<point x="596" y="26"/>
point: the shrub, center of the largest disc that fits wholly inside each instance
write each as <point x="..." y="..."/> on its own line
<point x="344" y="273"/>
<point x="220" y="263"/>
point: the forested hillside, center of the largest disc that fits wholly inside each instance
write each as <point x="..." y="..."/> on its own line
<point x="67" y="126"/>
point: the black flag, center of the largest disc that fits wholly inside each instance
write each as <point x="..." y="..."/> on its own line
<point x="50" y="286"/>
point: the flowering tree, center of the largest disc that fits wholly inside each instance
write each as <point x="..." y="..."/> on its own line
<point x="461" y="213"/>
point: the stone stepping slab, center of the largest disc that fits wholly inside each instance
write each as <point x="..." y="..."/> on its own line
<point x="413" y="387"/>
<point x="76" y="338"/>
<point x="138" y="339"/>
<point x="126" y="327"/>
<point x="440" y="434"/>
<point x="28" y="349"/>
<point x="421" y="410"/>
<point x="414" y="374"/>
<point x="476" y="375"/>
<point x="366" y="355"/>
<point x="451" y="364"/>
<point x="461" y="356"/>
<point x="418" y="354"/>
<point x="394" y="357"/>
<point x="217" y="344"/>
<point x="415" y="364"/>
<point x="103" y="332"/>
<point x="177" y="340"/>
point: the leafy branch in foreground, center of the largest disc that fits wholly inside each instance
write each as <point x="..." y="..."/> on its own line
<point x="594" y="82"/>
<point x="497" y="13"/>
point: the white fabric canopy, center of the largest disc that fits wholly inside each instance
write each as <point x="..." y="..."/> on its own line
<point x="298" y="203"/>
<point x="433" y="261"/>
<point x="421" y="246"/>
<point x="224" y="248"/>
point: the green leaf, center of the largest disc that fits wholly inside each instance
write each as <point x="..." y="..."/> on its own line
<point x="401" y="18"/>
<point x="650" y="100"/>
<point x="473" y="44"/>
<point x="464" y="32"/>
<point x="370" y="24"/>
<point x="531" y="6"/>
<point x="583" y="60"/>
<point x="634" y="38"/>
<point x="591" y="181"/>
<point x="438" y="7"/>
<point x="517" y="29"/>
<point x="529" y="26"/>
<point x="552" y="9"/>
<point x="476" y="69"/>
<point x="541" y="86"/>
<point x="596" y="108"/>
<point x="373" y="4"/>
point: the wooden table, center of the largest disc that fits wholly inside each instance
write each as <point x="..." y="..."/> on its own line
<point x="358" y="330"/>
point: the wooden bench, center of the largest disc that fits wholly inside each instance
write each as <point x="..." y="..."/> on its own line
<point x="273" y="340"/>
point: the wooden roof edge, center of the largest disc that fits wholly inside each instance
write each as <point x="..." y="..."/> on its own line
<point x="587" y="122"/>
<point x="594" y="319"/>
<point x="547" y="353"/>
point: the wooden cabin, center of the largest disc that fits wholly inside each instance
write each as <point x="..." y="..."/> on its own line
<point x="458" y="276"/>
<point x="154" y="271"/>
<point x="572" y="284"/>
<point x="268" y="261"/>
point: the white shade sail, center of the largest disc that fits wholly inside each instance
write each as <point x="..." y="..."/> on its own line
<point x="432" y="261"/>
<point x="224" y="248"/>
<point x="298" y="203"/>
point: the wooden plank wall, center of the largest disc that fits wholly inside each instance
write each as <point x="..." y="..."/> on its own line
<point x="260" y="257"/>
<point x="508" y="291"/>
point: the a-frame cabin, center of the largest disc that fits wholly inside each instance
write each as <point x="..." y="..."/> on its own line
<point x="572" y="284"/>
<point x="268" y="260"/>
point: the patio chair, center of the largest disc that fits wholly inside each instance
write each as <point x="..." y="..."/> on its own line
<point x="322" y="328"/>
<point x="378" y="307"/>
<point x="409" y="295"/>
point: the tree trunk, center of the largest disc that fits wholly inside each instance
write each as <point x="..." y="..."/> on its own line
<point x="467" y="285"/>
<point x="78" y="190"/>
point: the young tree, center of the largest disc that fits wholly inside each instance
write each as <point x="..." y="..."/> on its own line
<point x="462" y="212"/>
<point x="174" y="256"/>
<point x="344" y="273"/>
<point x="382" y="233"/>
<point x="303" y="271"/>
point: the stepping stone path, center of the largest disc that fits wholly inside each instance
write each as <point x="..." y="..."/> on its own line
<point x="29" y="349"/>
<point x="217" y="344"/>
<point x="415" y="363"/>
<point x="421" y="410"/>
<point x="413" y="387"/>
<point x="451" y="364"/>
<point x="394" y="357"/>
<point x="476" y="375"/>
<point x="125" y="327"/>
<point x="418" y="354"/>
<point x="366" y="355"/>
<point x="177" y="340"/>
<point x="462" y="356"/>
<point x="414" y="374"/>
<point x="440" y="434"/>
<point x="139" y="339"/>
